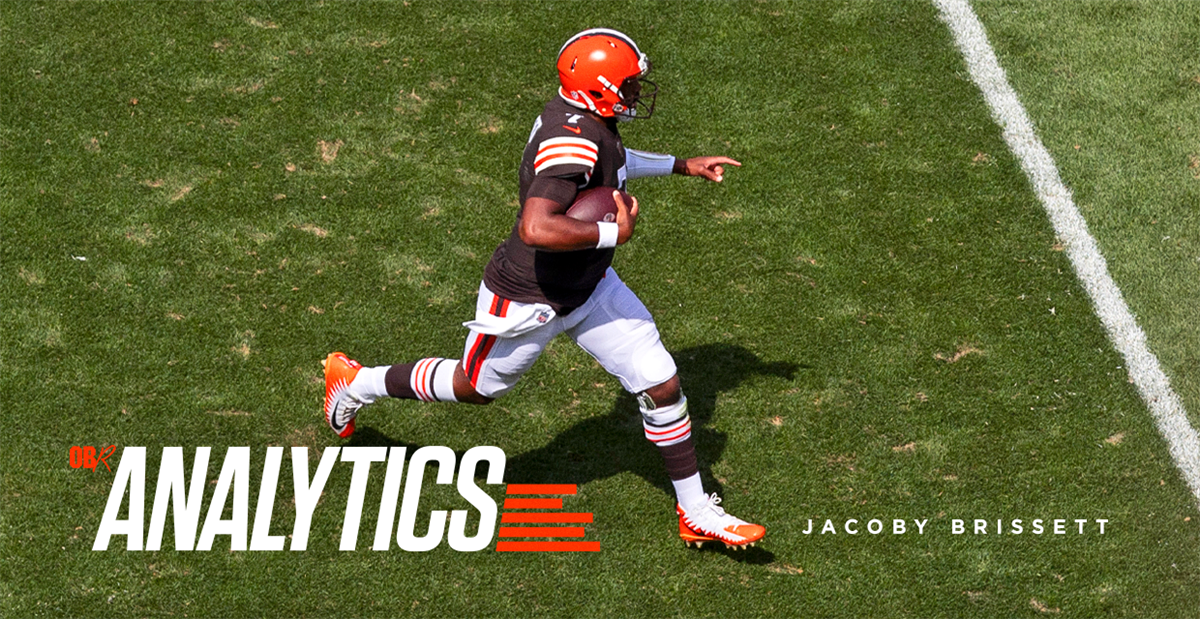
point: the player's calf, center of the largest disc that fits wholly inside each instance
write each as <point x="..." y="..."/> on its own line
<point x="428" y="380"/>
<point x="667" y="424"/>
<point x="349" y="386"/>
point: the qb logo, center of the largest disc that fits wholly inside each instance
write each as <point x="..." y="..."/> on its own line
<point x="85" y="457"/>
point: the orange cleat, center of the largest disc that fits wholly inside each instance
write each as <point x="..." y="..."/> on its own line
<point x="341" y="407"/>
<point x="709" y="523"/>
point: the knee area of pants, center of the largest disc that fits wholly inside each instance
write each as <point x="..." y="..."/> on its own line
<point x="657" y="365"/>
<point x="666" y="414"/>
<point x="490" y="396"/>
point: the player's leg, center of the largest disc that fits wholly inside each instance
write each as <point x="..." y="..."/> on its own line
<point x="432" y="380"/>
<point x="668" y="425"/>
<point x="617" y="329"/>
<point x="490" y="366"/>
<point x="701" y="519"/>
<point x="349" y="386"/>
<point x="498" y="364"/>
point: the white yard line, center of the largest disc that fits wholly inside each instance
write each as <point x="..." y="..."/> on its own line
<point x="1072" y="230"/>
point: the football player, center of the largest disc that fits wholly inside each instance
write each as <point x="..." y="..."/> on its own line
<point x="552" y="275"/>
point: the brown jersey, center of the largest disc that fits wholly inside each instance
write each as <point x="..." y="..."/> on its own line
<point x="570" y="144"/>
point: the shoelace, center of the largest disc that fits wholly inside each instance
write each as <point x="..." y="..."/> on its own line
<point x="347" y="406"/>
<point x="714" y="502"/>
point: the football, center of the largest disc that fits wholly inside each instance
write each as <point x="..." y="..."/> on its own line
<point x="596" y="204"/>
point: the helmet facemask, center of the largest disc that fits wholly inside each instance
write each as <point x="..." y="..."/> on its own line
<point x="637" y="101"/>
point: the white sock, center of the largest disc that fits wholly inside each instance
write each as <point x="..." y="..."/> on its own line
<point x="432" y="379"/>
<point x="689" y="491"/>
<point x="369" y="384"/>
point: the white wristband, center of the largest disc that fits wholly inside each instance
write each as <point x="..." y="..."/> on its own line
<point x="608" y="234"/>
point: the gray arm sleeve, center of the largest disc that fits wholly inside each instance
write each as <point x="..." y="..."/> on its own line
<point x="639" y="164"/>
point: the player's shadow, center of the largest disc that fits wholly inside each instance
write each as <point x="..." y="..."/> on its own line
<point x="600" y="447"/>
<point x="603" y="446"/>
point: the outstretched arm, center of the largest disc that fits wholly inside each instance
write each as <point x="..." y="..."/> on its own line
<point x="712" y="168"/>
<point x="641" y="164"/>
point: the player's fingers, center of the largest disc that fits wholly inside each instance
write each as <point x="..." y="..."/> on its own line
<point x="633" y="210"/>
<point x="726" y="160"/>
<point x="621" y="206"/>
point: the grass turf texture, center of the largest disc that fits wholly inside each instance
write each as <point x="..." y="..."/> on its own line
<point x="817" y="303"/>
<point x="1092" y="86"/>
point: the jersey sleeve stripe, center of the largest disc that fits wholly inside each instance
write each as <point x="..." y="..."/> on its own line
<point x="567" y="147"/>
<point x="574" y="150"/>
<point x="584" y="160"/>
<point x="580" y="142"/>
<point x="555" y="160"/>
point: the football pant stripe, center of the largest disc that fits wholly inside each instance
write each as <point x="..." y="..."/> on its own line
<point x="499" y="306"/>
<point x="469" y="360"/>
<point x="477" y="362"/>
<point x="479" y="351"/>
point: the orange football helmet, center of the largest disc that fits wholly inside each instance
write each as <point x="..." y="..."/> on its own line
<point x="603" y="71"/>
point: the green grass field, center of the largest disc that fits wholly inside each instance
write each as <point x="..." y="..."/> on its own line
<point x="871" y="318"/>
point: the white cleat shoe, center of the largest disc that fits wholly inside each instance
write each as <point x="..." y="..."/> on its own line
<point x="341" y="407"/>
<point x="707" y="522"/>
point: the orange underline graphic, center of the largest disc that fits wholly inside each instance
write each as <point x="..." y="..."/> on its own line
<point x="548" y="546"/>
<point x="541" y="531"/>
<point x="532" y="503"/>
<point x="541" y="489"/>
<point x="560" y="517"/>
